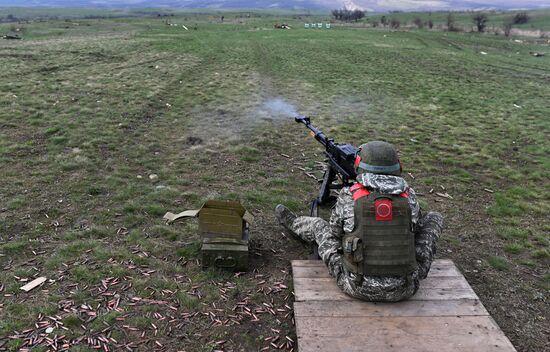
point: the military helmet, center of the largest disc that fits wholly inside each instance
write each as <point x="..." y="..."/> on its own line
<point x="377" y="157"/>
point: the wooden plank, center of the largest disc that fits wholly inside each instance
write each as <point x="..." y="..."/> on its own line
<point x="309" y="262"/>
<point x="310" y="271"/>
<point x="444" y="315"/>
<point x="444" y="282"/>
<point x="460" y="307"/>
<point x="325" y="289"/>
<point x="362" y="344"/>
<point x="322" y="271"/>
<point x="318" y="269"/>
<point x="33" y="284"/>
<point x="430" y="281"/>
<point x="314" y="263"/>
<point x="426" y="293"/>
<point x="444" y="271"/>
<point x="411" y="334"/>
<point x="436" y="263"/>
<point x="412" y="326"/>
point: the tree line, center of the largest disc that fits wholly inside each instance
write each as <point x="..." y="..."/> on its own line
<point x="479" y="19"/>
<point x="348" y="15"/>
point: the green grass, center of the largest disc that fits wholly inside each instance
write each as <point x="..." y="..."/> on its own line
<point x="542" y="253"/>
<point x="513" y="232"/>
<point x="186" y="301"/>
<point x="513" y="248"/>
<point x="498" y="263"/>
<point x="15" y="247"/>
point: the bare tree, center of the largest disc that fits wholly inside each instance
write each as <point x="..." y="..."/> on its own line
<point x="507" y="28"/>
<point x="480" y="20"/>
<point x="521" y="18"/>
<point x="357" y="15"/>
<point x="395" y="23"/>
<point x="450" y="22"/>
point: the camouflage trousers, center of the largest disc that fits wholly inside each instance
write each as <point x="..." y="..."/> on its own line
<point x="372" y="288"/>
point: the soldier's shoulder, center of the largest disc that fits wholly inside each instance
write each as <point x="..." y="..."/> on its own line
<point x="345" y="191"/>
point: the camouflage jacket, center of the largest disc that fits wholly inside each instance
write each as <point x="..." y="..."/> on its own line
<point x="342" y="218"/>
<point x="371" y="288"/>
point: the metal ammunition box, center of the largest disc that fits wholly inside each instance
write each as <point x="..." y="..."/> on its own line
<point x="230" y="256"/>
<point x="223" y="227"/>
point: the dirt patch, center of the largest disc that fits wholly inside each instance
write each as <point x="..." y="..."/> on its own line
<point x="528" y="33"/>
<point x="193" y="141"/>
<point x="513" y="297"/>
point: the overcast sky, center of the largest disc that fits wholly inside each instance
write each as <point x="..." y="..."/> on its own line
<point x="365" y="4"/>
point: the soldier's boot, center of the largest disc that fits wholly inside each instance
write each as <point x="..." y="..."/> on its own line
<point x="285" y="216"/>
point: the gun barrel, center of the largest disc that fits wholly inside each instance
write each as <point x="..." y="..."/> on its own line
<point x="318" y="134"/>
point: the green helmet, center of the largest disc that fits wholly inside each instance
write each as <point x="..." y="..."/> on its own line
<point x="377" y="157"/>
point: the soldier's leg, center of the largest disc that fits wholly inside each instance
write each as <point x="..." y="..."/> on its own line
<point x="316" y="229"/>
<point x="378" y="289"/>
<point x="300" y="226"/>
<point x="426" y="236"/>
<point x="306" y="227"/>
<point x="328" y="245"/>
<point x="311" y="229"/>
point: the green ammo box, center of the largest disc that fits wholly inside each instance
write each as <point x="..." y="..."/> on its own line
<point x="223" y="227"/>
<point x="231" y="256"/>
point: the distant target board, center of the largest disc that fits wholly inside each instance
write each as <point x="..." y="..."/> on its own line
<point x="316" y="25"/>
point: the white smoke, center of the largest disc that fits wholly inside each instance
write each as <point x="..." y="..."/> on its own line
<point x="276" y="109"/>
<point x="351" y="5"/>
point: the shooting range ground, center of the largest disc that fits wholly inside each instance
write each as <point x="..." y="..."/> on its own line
<point x="107" y="123"/>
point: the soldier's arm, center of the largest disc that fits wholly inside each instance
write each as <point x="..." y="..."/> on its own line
<point x="427" y="233"/>
<point x="414" y="205"/>
<point x="341" y="218"/>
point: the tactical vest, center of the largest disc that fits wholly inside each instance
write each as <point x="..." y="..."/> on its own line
<point x="381" y="243"/>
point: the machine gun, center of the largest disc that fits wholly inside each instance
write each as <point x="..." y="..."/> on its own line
<point x="341" y="164"/>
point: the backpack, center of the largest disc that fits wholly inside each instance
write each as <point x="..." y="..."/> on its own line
<point x="382" y="242"/>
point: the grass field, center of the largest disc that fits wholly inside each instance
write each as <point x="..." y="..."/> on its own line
<point x="90" y="109"/>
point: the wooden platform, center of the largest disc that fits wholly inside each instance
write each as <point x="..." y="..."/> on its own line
<point x="444" y="315"/>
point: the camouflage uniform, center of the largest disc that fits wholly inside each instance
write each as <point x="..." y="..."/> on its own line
<point x="328" y="236"/>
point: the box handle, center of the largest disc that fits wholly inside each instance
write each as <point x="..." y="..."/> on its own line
<point x="221" y="262"/>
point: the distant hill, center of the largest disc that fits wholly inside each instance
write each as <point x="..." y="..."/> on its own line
<point x="221" y="4"/>
<point x="372" y="5"/>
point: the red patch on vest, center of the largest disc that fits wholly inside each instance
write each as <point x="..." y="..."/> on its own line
<point x="405" y="194"/>
<point x="383" y="208"/>
<point x="358" y="191"/>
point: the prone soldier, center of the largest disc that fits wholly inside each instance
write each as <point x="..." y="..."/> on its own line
<point x="377" y="245"/>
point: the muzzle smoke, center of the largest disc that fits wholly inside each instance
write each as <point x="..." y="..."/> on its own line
<point x="278" y="108"/>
